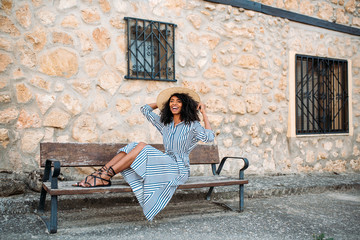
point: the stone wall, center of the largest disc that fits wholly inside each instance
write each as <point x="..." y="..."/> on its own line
<point x="62" y="68"/>
<point x="346" y="12"/>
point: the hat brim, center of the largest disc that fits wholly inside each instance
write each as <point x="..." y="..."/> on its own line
<point x="164" y="95"/>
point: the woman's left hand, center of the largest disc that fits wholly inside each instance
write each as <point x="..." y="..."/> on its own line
<point x="201" y="107"/>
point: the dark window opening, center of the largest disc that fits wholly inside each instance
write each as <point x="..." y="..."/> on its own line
<point x="321" y="95"/>
<point x="150" y="50"/>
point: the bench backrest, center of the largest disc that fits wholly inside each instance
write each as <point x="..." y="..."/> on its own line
<point x="98" y="154"/>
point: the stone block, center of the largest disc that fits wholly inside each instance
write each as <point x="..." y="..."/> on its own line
<point x="84" y="129"/>
<point x="23" y="93"/>
<point x="4" y="137"/>
<point x="66" y="4"/>
<point x="326" y="11"/>
<point x="10" y="187"/>
<point x="70" y="22"/>
<point x="45" y="101"/>
<point x="56" y="118"/>
<point x="23" y="16"/>
<point x="72" y="104"/>
<point x="7" y="26"/>
<point x="351" y="6"/>
<point x="6" y="44"/>
<point x="90" y="15"/>
<point x="214" y="72"/>
<point x="46" y="16"/>
<point x="5" y="61"/>
<point x="291" y="4"/>
<point x="253" y="104"/>
<point x="40" y="83"/>
<point x="123" y="105"/>
<point x="28" y="120"/>
<point x="5" y="98"/>
<point x="102" y="38"/>
<point x="85" y="42"/>
<point x="237" y="106"/>
<point x="63" y="38"/>
<point x="9" y="114"/>
<point x="30" y="140"/>
<point x="59" y="62"/>
<point x="195" y="20"/>
<point x="307" y="8"/>
<point x="105" y="5"/>
<point x="110" y="81"/>
<point x="249" y="62"/>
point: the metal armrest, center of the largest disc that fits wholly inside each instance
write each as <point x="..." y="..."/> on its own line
<point x="241" y="176"/>
<point x="53" y="175"/>
<point x="51" y="223"/>
<point x="241" y="171"/>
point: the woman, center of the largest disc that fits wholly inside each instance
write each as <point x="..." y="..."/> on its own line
<point x="152" y="174"/>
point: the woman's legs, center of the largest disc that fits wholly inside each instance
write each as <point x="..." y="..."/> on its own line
<point x="126" y="161"/>
<point x="118" y="163"/>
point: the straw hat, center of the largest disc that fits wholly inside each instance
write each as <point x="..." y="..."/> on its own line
<point x="164" y="95"/>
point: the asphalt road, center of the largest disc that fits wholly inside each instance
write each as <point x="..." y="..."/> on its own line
<point x="334" y="213"/>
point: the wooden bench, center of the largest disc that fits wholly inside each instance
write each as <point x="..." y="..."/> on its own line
<point x="56" y="155"/>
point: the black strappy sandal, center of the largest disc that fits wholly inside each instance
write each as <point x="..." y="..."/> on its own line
<point x="99" y="171"/>
<point x="109" y="172"/>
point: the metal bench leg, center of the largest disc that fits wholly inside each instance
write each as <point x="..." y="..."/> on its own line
<point x="241" y="198"/>
<point x="54" y="215"/>
<point x="208" y="195"/>
<point x="241" y="189"/>
<point x="46" y="177"/>
<point x="51" y="223"/>
<point x="41" y="207"/>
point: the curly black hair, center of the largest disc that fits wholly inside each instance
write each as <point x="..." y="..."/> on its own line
<point x="188" y="113"/>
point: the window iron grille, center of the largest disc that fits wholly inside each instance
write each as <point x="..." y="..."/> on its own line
<point x="150" y="50"/>
<point x="321" y="95"/>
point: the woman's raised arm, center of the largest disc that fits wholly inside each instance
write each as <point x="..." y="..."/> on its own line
<point x="201" y="107"/>
<point x="153" y="105"/>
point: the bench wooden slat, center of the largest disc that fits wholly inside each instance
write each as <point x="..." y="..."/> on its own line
<point x="98" y="154"/>
<point x="66" y="188"/>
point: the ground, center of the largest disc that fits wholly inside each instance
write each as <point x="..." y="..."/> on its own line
<point x="334" y="213"/>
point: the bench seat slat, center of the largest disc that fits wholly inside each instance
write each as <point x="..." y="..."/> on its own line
<point x="98" y="154"/>
<point x="118" y="185"/>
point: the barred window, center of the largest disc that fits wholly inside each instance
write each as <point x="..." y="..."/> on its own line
<point x="322" y="104"/>
<point x="150" y="50"/>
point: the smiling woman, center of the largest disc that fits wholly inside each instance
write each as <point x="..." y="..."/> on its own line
<point x="154" y="175"/>
<point x="175" y="105"/>
<point x="179" y="107"/>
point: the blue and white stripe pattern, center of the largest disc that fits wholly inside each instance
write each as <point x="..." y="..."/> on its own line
<point x="154" y="175"/>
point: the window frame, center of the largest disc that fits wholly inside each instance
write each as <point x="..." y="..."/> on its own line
<point x="150" y="50"/>
<point x="292" y="131"/>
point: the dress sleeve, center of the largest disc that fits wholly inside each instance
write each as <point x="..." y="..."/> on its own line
<point x="203" y="134"/>
<point x="152" y="117"/>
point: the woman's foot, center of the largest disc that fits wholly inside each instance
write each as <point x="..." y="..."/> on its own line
<point x="102" y="180"/>
<point x="96" y="178"/>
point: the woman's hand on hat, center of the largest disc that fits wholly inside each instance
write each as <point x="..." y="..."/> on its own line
<point x="201" y="107"/>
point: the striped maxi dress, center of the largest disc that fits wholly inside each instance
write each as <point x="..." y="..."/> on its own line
<point x="154" y="175"/>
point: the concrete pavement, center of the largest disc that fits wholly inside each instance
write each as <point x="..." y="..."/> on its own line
<point x="276" y="207"/>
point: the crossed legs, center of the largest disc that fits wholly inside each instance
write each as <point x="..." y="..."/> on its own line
<point x="117" y="164"/>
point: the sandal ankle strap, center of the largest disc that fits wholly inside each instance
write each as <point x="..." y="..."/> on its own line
<point x="103" y="169"/>
<point x="110" y="172"/>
